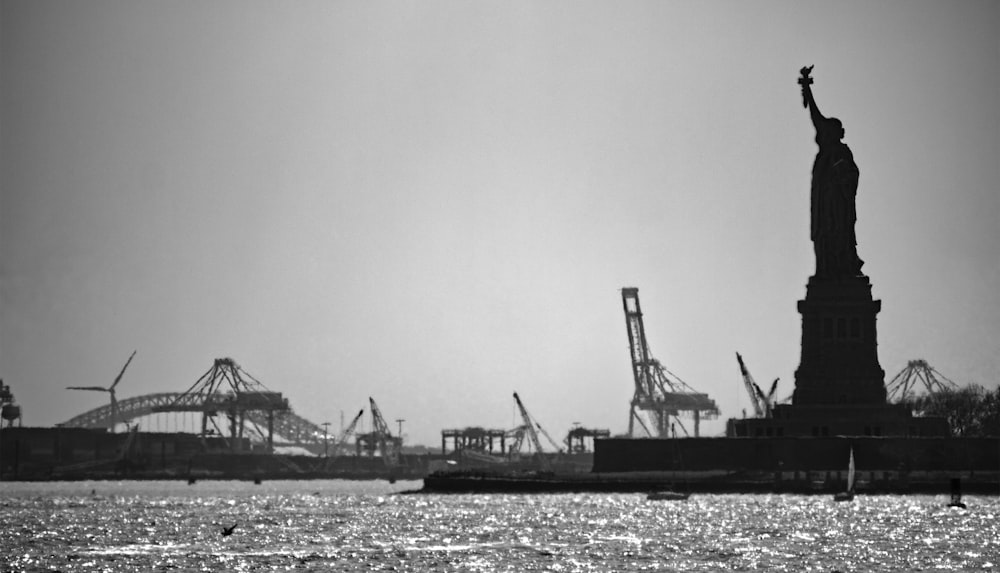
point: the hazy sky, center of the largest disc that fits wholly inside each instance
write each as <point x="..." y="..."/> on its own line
<point x="437" y="203"/>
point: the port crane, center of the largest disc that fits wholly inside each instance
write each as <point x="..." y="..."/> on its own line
<point x="380" y="438"/>
<point x="348" y="431"/>
<point x="763" y="404"/>
<point x="341" y="440"/>
<point x="110" y="390"/>
<point x="529" y="427"/>
<point x="229" y="389"/>
<point x="918" y="372"/>
<point x="660" y="394"/>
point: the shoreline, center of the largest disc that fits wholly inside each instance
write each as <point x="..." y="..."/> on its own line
<point x="735" y="483"/>
<point x="472" y="482"/>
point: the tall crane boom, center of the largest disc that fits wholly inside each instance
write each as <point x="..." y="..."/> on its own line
<point x="339" y="446"/>
<point x="530" y="425"/>
<point x="658" y="393"/>
<point x="378" y="421"/>
<point x="349" y="429"/>
<point x="752" y="389"/>
<point x="763" y="404"/>
<point x="388" y="444"/>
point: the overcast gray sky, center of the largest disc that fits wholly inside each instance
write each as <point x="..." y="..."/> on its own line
<point x="437" y="203"/>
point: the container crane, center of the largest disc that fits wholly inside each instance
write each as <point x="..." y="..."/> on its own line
<point x="763" y="404"/>
<point x="658" y="392"/>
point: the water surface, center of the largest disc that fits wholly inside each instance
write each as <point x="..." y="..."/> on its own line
<point x="368" y="526"/>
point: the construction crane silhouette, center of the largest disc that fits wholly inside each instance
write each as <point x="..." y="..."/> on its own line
<point x="348" y="432"/>
<point x="380" y="439"/>
<point x="763" y="404"/>
<point x="340" y="443"/>
<point x="917" y="373"/>
<point x="110" y="390"/>
<point x="531" y="427"/>
<point x="660" y="394"/>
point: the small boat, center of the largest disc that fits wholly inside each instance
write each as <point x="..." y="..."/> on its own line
<point x="849" y="494"/>
<point x="956" y="494"/>
<point x="667" y="495"/>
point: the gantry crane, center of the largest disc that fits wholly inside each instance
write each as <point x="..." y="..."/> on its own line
<point x="660" y="394"/>
<point x="903" y="385"/>
<point x="763" y="404"/>
<point x="529" y="427"/>
<point x="229" y="389"/>
<point x="577" y="437"/>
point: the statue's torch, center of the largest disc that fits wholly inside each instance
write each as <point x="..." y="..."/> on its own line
<point x="804" y="81"/>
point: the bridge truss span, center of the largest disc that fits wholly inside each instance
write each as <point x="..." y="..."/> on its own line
<point x="290" y="429"/>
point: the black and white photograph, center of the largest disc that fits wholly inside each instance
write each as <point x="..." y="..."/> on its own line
<point x="526" y="285"/>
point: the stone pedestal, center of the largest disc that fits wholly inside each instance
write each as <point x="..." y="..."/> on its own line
<point x="839" y="363"/>
<point x="839" y="386"/>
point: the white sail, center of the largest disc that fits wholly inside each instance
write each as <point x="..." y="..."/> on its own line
<point x="850" y="472"/>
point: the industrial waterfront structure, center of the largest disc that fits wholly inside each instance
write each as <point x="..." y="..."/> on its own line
<point x="240" y="428"/>
<point x="840" y="404"/>
<point x="659" y="396"/>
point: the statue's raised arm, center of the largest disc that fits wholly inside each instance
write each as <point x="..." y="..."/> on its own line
<point x="808" y="100"/>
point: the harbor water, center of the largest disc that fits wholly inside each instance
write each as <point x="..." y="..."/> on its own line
<point x="374" y="526"/>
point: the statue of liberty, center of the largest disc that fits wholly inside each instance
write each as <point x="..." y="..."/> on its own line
<point x="834" y="187"/>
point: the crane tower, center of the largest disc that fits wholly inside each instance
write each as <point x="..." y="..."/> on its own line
<point x="659" y="394"/>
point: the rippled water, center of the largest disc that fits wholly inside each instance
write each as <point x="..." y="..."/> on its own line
<point x="367" y="526"/>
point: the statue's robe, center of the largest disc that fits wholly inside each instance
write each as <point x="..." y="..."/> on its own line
<point x="834" y="188"/>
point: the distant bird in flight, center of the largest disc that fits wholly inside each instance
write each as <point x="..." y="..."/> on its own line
<point x="227" y="531"/>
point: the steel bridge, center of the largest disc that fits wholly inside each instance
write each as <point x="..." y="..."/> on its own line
<point x="290" y="429"/>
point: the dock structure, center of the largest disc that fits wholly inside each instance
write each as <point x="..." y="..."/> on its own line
<point x="476" y="439"/>
<point x="227" y="388"/>
<point x="581" y="440"/>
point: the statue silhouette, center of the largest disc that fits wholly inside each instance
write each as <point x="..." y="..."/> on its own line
<point x="834" y="188"/>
